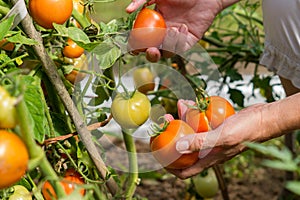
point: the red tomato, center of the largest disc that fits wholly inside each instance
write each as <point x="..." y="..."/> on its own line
<point x="149" y="30"/>
<point x="7" y="46"/>
<point x="13" y="158"/>
<point x="70" y="181"/>
<point x="217" y="111"/>
<point x="47" y="12"/>
<point x="72" y="50"/>
<point x="164" y="150"/>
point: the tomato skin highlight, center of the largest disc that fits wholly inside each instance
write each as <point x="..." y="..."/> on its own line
<point x="163" y="146"/>
<point x="13" y="158"/>
<point x="72" y="50"/>
<point x="47" y="12"/>
<point x="131" y="112"/>
<point x="149" y="30"/>
<point x="69" y="183"/>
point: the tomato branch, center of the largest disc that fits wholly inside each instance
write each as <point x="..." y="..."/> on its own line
<point x="50" y="68"/>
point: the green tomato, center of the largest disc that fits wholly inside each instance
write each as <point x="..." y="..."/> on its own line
<point x="20" y="193"/>
<point x="143" y="79"/>
<point x="130" y="111"/>
<point x="8" y="110"/>
<point x="207" y="185"/>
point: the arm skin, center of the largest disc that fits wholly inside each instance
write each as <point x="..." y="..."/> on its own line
<point x="257" y="123"/>
<point x="190" y="19"/>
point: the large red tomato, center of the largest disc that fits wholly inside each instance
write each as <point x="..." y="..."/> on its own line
<point x="217" y="109"/>
<point x="163" y="146"/>
<point x="149" y="30"/>
<point x="47" y="12"/>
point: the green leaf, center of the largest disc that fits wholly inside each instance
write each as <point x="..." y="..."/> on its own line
<point x="282" y="165"/>
<point x="107" y="54"/>
<point x="5" y="26"/>
<point x="293" y="186"/>
<point x="19" y="38"/>
<point x="33" y="98"/>
<point x="101" y="91"/>
<point x="233" y="74"/>
<point x="237" y="96"/>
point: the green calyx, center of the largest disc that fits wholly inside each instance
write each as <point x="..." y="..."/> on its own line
<point x="157" y="129"/>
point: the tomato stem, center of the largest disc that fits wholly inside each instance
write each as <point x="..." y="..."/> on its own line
<point x="81" y="19"/>
<point x="133" y="163"/>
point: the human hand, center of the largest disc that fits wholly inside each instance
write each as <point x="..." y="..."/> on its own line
<point x="226" y="141"/>
<point x="187" y="21"/>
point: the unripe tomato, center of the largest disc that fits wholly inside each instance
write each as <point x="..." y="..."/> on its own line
<point x="72" y="50"/>
<point x="20" y="193"/>
<point x="78" y="64"/>
<point x="7" y="110"/>
<point x="47" y="12"/>
<point x="149" y="30"/>
<point x="143" y="79"/>
<point x="130" y="111"/>
<point x="218" y="109"/>
<point x="206" y="185"/>
<point x="7" y="46"/>
<point x="13" y="158"/>
<point x="163" y="146"/>
<point x="71" y="180"/>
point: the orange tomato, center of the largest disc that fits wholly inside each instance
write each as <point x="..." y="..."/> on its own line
<point x="79" y="64"/>
<point x="47" y="12"/>
<point x="7" y="46"/>
<point x="217" y="111"/>
<point x="13" y="158"/>
<point x="69" y="183"/>
<point x="72" y="50"/>
<point x="164" y="150"/>
<point x="149" y="30"/>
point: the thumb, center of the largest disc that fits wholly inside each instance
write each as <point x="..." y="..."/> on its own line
<point x="197" y="142"/>
<point x="134" y="5"/>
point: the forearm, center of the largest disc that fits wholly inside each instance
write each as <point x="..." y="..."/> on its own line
<point x="281" y="117"/>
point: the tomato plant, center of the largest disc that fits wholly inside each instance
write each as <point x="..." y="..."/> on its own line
<point x="71" y="180"/>
<point x="20" y="193"/>
<point x="72" y="49"/>
<point x="13" y="158"/>
<point x="206" y="183"/>
<point x="8" y="111"/>
<point x="208" y="113"/>
<point x="47" y="12"/>
<point x="79" y="63"/>
<point x="163" y="148"/>
<point x="149" y="30"/>
<point x="130" y="110"/>
<point x="144" y="79"/>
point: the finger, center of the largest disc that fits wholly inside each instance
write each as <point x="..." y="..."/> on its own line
<point x="134" y="5"/>
<point x="153" y="54"/>
<point x="198" y="142"/>
<point x="170" y="40"/>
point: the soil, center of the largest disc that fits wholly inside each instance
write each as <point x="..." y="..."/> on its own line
<point x="260" y="184"/>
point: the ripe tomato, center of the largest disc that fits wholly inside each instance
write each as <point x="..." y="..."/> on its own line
<point x="218" y="109"/>
<point x="78" y="64"/>
<point x="70" y="181"/>
<point x="72" y="50"/>
<point x="143" y="79"/>
<point x="206" y="184"/>
<point x="164" y="150"/>
<point x="7" y="110"/>
<point x="149" y="30"/>
<point x="47" y="12"/>
<point x="20" y="193"/>
<point x="130" y="111"/>
<point x="7" y="46"/>
<point x="13" y="158"/>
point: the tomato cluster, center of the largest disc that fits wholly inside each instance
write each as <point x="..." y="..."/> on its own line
<point x="198" y="117"/>
<point x="71" y="180"/>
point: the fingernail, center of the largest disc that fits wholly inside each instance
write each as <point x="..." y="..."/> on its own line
<point x="183" y="147"/>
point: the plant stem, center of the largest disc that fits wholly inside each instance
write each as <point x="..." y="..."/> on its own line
<point x="81" y="19"/>
<point x="34" y="150"/>
<point x="133" y="163"/>
<point x="51" y="70"/>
